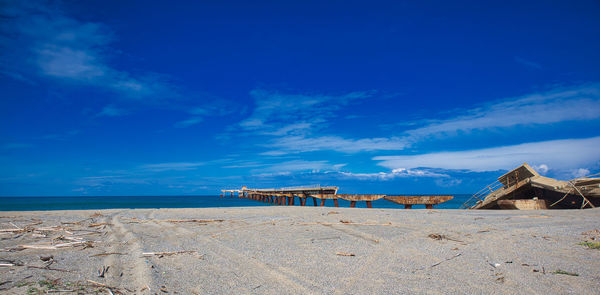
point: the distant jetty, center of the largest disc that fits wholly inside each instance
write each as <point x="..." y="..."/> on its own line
<point x="287" y="196"/>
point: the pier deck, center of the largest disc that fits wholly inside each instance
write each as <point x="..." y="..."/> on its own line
<point x="287" y="196"/>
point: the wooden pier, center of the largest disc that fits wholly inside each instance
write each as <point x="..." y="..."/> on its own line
<point x="287" y="197"/>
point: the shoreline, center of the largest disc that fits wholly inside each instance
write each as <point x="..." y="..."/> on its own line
<point x="299" y="250"/>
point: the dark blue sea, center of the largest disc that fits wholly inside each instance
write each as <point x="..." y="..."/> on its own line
<point x="139" y="202"/>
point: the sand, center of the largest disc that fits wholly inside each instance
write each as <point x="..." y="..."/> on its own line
<point x="302" y="250"/>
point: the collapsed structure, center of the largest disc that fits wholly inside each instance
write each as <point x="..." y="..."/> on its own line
<point x="524" y="188"/>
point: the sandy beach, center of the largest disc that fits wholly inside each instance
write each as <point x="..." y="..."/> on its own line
<point x="299" y="250"/>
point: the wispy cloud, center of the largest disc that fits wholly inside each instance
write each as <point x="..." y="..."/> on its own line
<point x="108" y="180"/>
<point x="298" y="166"/>
<point x="188" y="122"/>
<point x="173" y="166"/>
<point x="15" y="145"/>
<point x="44" y="41"/>
<point x="528" y="63"/>
<point x="61" y="136"/>
<point x="558" y="105"/>
<point x="565" y="155"/>
<point x="112" y="111"/>
<point x="297" y="144"/>
<point x="210" y="107"/>
<point x="395" y="173"/>
<point x="274" y="110"/>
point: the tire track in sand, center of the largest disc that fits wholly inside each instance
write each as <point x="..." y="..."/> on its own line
<point x="289" y="284"/>
<point x="129" y="270"/>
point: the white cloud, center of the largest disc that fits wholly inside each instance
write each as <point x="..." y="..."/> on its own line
<point x="542" y="168"/>
<point x="395" y="173"/>
<point x="559" y="105"/>
<point x="581" y="172"/>
<point x="556" y="154"/>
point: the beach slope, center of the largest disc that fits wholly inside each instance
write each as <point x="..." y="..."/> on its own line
<point x="300" y="250"/>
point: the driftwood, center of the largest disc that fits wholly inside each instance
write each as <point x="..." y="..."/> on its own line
<point x="108" y="288"/>
<point x="97" y="284"/>
<point x="48" y="268"/>
<point x="98" y="224"/>
<point x="56" y="246"/>
<point x="347" y="222"/>
<point x="135" y="220"/>
<point x="193" y="220"/>
<point x="106" y="254"/>
<point x="443" y="237"/>
<point x="148" y="254"/>
<point x="438" y="263"/>
<point x="344" y="254"/>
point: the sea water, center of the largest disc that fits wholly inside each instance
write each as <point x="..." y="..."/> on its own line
<point x="141" y="202"/>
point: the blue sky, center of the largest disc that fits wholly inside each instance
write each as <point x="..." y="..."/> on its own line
<point x="153" y="98"/>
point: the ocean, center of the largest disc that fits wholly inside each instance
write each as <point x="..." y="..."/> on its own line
<point x="141" y="202"/>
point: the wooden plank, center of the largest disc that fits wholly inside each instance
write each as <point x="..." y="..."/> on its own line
<point x="419" y="200"/>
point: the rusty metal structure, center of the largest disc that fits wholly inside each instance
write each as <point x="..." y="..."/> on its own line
<point x="287" y="196"/>
<point x="524" y="188"/>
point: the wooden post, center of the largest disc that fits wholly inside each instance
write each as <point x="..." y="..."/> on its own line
<point x="369" y="204"/>
<point x="302" y="201"/>
<point x="335" y="202"/>
<point x="315" y="201"/>
<point x="293" y="197"/>
<point x="352" y="204"/>
<point x="407" y="206"/>
<point x="322" y="202"/>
